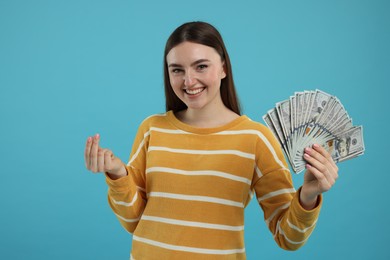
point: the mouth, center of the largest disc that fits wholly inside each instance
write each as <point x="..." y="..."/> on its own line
<point x="194" y="91"/>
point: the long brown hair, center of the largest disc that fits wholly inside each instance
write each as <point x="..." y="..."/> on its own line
<point x="206" y="34"/>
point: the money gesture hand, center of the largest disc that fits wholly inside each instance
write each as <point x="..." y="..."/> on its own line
<point x="98" y="159"/>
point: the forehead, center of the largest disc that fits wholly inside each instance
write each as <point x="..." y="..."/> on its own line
<point x="189" y="51"/>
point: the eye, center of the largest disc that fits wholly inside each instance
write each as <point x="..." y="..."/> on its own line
<point x="176" y="71"/>
<point x="202" y="67"/>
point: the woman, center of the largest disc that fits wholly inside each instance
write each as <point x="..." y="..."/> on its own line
<point x="193" y="169"/>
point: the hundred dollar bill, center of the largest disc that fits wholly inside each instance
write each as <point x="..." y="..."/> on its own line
<point x="348" y="144"/>
<point x="283" y="110"/>
<point x="272" y="121"/>
<point x="311" y="117"/>
<point x="318" y="103"/>
<point x="274" y="125"/>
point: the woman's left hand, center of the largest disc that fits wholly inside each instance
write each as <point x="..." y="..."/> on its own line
<point x="321" y="174"/>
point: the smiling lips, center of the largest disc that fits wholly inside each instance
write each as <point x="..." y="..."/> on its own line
<point x="194" y="91"/>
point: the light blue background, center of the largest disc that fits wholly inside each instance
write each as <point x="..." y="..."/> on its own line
<point x="69" y="69"/>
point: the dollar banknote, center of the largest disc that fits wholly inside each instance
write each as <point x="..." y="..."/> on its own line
<point x="314" y="117"/>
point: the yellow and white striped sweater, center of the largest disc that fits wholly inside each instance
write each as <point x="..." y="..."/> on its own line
<point x="186" y="190"/>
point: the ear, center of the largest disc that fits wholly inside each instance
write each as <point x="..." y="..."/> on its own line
<point x="223" y="74"/>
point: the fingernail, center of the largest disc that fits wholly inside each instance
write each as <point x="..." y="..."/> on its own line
<point x="316" y="145"/>
<point x="89" y="139"/>
<point x="97" y="136"/>
<point x="308" y="166"/>
<point x="306" y="155"/>
<point x="307" y="149"/>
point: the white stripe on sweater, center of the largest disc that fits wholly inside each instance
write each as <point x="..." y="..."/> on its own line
<point x="199" y="173"/>
<point x="206" y="152"/>
<point x="292" y="241"/>
<point x="192" y="223"/>
<point x="129" y="220"/>
<point x="259" y="174"/>
<point x="138" y="149"/>
<point x="143" y="140"/>
<point x="126" y="204"/>
<point x="196" y="198"/>
<point x="276" y="211"/>
<point x="189" y="249"/>
<point x="236" y="132"/>
<point x="292" y="226"/>
<point x="276" y="193"/>
<point x="169" y="131"/>
<point x="261" y="136"/>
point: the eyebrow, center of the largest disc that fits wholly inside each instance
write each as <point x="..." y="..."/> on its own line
<point x="192" y="64"/>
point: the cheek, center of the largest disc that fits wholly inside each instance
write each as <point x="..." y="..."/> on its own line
<point x="176" y="87"/>
<point x="217" y="81"/>
<point x="175" y="83"/>
<point x="212" y="78"/>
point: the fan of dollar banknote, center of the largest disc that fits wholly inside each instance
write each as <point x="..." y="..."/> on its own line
<point x="311" y="117"/>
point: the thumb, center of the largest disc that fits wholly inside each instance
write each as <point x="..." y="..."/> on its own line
<point x="108" y="159"/>
<point x="112" y="162"/>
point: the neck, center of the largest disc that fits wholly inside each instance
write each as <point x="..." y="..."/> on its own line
<point x="207" y="118"/>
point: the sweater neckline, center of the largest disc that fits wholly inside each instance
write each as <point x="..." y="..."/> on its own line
<point x="200" y="130"/>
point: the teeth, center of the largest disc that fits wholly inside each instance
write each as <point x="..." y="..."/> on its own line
<point x="194" y="91"/>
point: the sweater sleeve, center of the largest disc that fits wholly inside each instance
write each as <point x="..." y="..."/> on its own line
<point x="290" y="224"/>
<point x="127" y="195"/>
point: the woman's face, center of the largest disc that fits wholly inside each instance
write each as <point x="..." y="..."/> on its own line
<point x="195" y="74"/>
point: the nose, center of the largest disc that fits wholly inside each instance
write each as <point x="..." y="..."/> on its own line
<point x="189" y="80"/>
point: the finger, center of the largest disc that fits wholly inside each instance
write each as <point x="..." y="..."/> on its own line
<point x="315" y="159"/>
<point x="100" y="160"/>
<point x="320" y="154"/>
<point x="318" y="164"/>
<point x="94" y="153"/>
<point x="321" y="150"/>
<point x="331" y="165"/>
<point x="108" y="156"/>
<point x="87" y="151"/>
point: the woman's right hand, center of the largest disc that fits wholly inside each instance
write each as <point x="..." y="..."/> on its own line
<point x="98" y="159"/>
